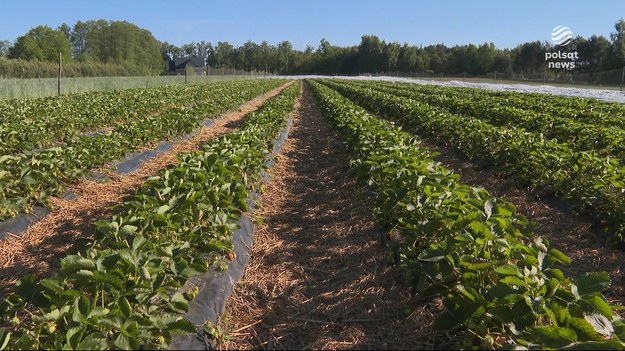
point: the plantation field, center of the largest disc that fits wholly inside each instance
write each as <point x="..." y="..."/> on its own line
<point x="356" y="201"/>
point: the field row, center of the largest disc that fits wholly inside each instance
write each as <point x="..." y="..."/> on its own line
<point x="584" y="110"/>
<point x="588" y="181"/>
<point x="581" y="134"/>
<point x="38" y="123"/>
<point x="494" y="275"/>
<point x="122" y="289"/>
<point x="27" y="179"/>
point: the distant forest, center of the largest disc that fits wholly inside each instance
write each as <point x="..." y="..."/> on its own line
<point x="120" y="48"/>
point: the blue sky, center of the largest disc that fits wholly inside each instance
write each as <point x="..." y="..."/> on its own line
<point x="342" y="22"/>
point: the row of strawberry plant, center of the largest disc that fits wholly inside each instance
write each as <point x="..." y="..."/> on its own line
<point x="39" y="123"/>
<point x="586" y="180"/>
<point x="495" y="277"/>
<point x="27" y="179"/>
<point x="606" y="140"/>
<point x="125" y="288"/>
<point x="584" y="110"/>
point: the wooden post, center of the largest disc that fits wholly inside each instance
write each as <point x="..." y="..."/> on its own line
<point x="58" y="85"/>
<point x="622" y="78"/>
<point x="207" y="72"/>
<point x="185" y="74"/>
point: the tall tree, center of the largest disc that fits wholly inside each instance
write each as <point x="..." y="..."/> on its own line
<point x="370" y="54"/>
<point x="618" y="43"/>
<point x="78" y="39"/>
<point x="122" y="42"/>
<point x="592" y="53"/>
<point x="284" y="54"/>
<point x="41" y="43"/>
<point x="224" y="54"/>
<point x="407" y="58"/>
<point x="391" y="55"/>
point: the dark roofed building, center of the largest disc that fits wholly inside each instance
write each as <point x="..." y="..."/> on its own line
<point x="177" y="66"/>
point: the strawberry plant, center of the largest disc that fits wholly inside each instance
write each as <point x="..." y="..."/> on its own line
<point x="496" y="278"/>
<point x="585" y="179"/>
<point x="122" y="289"/>
<point x="30" y="178"/>
<point x="579" y="135"/>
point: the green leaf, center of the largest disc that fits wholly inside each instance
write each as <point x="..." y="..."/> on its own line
<point x="74" y="335"/>
<point x="559" y="256"/>
<point x="74" y="263"/>
<point x="431" y="255"/>
<point x="125" y="342"/>
<point x="583" y="329"/>
<point x="594" y="282"/>
<point x="97" y="312"/>
<point x="479" y="228"/>
<point x="508" y="269"/>
<point x="125" y="307"/>
<point x="182" y="327"/>
<point x="599" y="304"/>
<point x="511" y="280"/>
<point x="91" y="342"/>
<point x="137" y="242"/>
<point x="179" y="303"/>
<point x="554" y="337"/>
<point x="127" y="230"/>
<point x="161" y="210"/>
<point x="81" y="309"/>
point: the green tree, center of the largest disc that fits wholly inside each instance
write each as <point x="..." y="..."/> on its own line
<point x="284" y="54"/>
<point x="224" y="55"/>
<point x="370" y="54"/>
<point x="502" y="62"/>
<point x="65" y="29"/>
<point x="529" y="57"/>
<point x="618" y="44"/>
<point x="592" y="53"/>
<point x="121" y="42"/>
<point x="391" y="56"/>
<point x="41" y="43"/>
<point x="78" y="39"/>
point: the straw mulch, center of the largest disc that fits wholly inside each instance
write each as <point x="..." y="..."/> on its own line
<point x="317" y="277"/>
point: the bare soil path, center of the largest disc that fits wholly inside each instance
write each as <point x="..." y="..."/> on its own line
<point x="40" y="248"/>
<point x="317" y="278"/>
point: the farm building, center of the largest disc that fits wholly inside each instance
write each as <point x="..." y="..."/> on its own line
<point x="177" y="66"/>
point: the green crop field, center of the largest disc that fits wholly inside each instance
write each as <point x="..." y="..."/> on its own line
<point x="126" y="278"/>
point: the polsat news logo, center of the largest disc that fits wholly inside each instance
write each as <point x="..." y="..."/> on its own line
<point x="561" y="36"/>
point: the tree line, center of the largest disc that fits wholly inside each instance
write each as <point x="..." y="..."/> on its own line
<point x="120" y="47"/>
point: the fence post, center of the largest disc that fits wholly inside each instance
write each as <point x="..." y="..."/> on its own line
<point x="58" y="83"/>
<point x="622" y="78"/>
